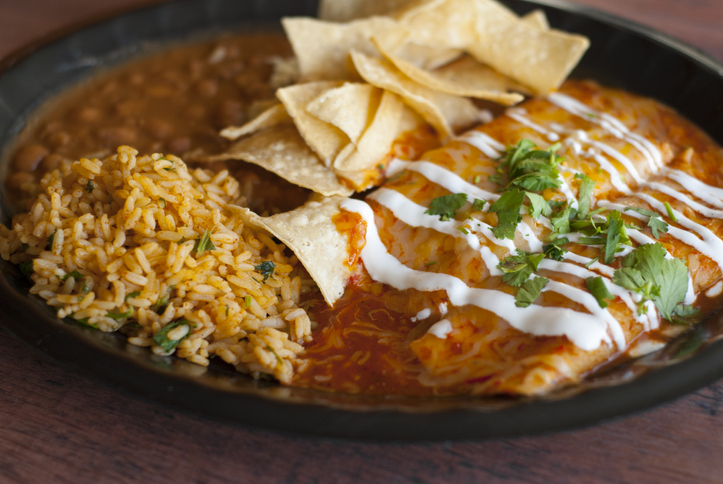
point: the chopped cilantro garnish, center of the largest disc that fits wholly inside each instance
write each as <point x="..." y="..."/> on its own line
<point x="161" y="337"/>
<point x="478" y="204"/>
<point x="204" y="243"/>
<point x="530" y="291"/>
<point x="84" y="288"/>
<point x="477" y="179"/>
<point x="266" y="268"/>
<point x="463" y="230"/>
<point x="647" y="272"/>
<point x="592" y="261"/>
<point x="90" y="186"/>
<point x="446" y="206"/>
<point x="75" y="275"/>
<point x="518" y="268"/>
<point x="247" y="301"/>
<point x="539" y="205"/>
<point x="655" y="222"/>
<point x="430" y="263"/>
<point x="51" y="238"/>
<point x="584" y="194"/>
<point x="26" y="268"/>
<point x="530" y="169"/>
<point x="616" y="228"/>
<point x="599" y="290"/>
<point x="162" y="303"/>
<point x="671" y="214"/>
<point x="124" y="315"/>
<point x="561" y="221"/>
<point x="507" y="208"/>
<point x="278" y="358"/>
<point x="683" y="313"/>
<point x="83" y="321"/>
<point x="162" y="202"/>
<point x="132" y="295"/>
<point x="553" y="249"/>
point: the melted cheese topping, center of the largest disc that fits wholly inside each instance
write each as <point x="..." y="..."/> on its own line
<point x="585" y="330"/>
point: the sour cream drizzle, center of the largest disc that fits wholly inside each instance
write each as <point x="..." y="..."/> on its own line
<point x="585" y="331"/>
<point x="482" y="141"/>
<point x="412" y="214"/>
<point x="707" y="193"/>
<point x="612" y="125"/>
<point x="518" y="114"/>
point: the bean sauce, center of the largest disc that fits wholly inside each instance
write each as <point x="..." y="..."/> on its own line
<point x="173" y="102"/>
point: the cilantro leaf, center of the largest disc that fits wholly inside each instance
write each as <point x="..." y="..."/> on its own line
<point x="51" y="238"/>
<point x="90" y="186"/>
<point x="616" y="228"/>
<point x="647" y="272"/>
<point x="26" y="268"/>
<point x="162" y="303"/>
<point x="671" y="275"/>
<point x="507" y="208"/>
<point x="161" y="337"/>
<point x="561" y="221"/>
<point x="599" y="290"/>
<point x="518" y="268"/>
<point x="655" y="222"/>
<point x="83" y="321"/>
<point x="266" y="268"/>
<point x="530" y="169"/>
<point x="671" y="214"/>
<point x="478" y="205"/>
<point x="685" y="310"/>
<point x="553" y="249"/>
<point x="124" y="315"/>
<point x="204" y="243"/>
<point x="530" y="291"/>
<point x="132" y="295"/>
<point x="446" y="206"/>
<point x="75" y="275"/>
<point x="539" y="205"/>
<point x="584" y="194"/>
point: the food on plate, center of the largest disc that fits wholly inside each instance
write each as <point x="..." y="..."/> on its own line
<point x="143" y="245"/>
<point x="514" y="275"/>
<point x="416" y="202"/>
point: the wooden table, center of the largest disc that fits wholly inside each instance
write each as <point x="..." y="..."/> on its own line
<point x="59" y="426"/>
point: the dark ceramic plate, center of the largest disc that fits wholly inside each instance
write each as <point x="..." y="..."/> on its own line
<point x="622" y="55"/>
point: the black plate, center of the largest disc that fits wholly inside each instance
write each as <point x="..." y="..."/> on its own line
<point x="622" y="54"/>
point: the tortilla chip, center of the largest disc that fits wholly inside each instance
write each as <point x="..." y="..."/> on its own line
<point x="311" y="234"/>
<point x="378" y="138"/>
<point x="537" y="19"/>
<point x="273" y="116"/>
<point x="322" y="48"/>
<point x="325" y="139"/>
<point x="349" y="107"/>
<point x="346" y="10"/>
<point x="464" y="77"/>
<point x="452" y="23"/>
<point x="282" y="150"/>
<point x="359" y="164"/>
<point x="538" y="59"/>
<point x="426" y="57"/>
<point x="444" y="112"/>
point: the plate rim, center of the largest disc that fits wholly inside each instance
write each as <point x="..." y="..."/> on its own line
<point x="379" y="425"/>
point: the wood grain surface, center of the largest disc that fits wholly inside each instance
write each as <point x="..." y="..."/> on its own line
<point x="59" y="426"/>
